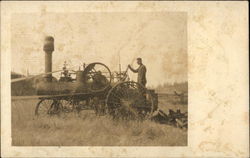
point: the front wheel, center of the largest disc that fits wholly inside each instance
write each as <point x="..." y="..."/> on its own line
<point x="47" y="107"/>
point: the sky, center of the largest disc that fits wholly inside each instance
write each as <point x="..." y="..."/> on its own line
<point x="159" y="38"/>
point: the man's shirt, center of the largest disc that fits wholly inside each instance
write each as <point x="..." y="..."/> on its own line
<point x="141" y="74"/>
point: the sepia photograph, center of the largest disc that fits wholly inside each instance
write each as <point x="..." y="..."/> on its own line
<point x="124" y="79"/>
<point x="99" y="79"/>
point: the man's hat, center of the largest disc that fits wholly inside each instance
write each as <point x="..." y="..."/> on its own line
<point x="139" y="59"/>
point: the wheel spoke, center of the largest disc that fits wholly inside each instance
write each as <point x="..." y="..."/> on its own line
<point x="67" y="105"/>
<point x="116" y="96"/>
<point x="47" y="107"/>
<point x="126" y="93"/>
<point x="133" y="103"/>
<point x="120" y="94"/>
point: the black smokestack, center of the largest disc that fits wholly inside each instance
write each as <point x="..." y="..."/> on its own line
<point x="48" y="49"/>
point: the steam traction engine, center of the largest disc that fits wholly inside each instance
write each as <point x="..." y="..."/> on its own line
<point x="94" y="87"/>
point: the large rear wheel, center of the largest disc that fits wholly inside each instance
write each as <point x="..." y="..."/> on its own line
<point x="129" y="100"/>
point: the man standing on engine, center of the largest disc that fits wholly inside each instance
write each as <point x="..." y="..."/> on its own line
<point x="141" y="70"/>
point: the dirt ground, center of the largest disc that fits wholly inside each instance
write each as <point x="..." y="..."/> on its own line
<point x="87" y="129"/>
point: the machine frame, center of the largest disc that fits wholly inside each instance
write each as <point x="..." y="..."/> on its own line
<point x="120" y="99"/>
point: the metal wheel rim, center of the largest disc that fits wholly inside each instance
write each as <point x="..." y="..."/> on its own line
<point x="133" y="84"/>
<point x="46" y="107"/>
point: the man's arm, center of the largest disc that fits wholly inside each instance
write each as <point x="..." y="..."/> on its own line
<point x="133" y="70"/>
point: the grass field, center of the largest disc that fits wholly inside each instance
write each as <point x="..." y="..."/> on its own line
<point x="87" y="129"/>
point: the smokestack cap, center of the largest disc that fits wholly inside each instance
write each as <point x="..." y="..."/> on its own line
<point x="48" y="44"/>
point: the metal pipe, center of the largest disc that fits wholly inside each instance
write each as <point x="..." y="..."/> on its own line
<point x="48" y="49"/>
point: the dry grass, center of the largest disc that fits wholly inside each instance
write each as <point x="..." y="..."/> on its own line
<point x="87" y="129"/>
